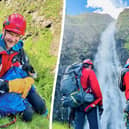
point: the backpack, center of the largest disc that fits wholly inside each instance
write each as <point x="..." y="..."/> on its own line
<point x="12" y="103"/>
<point x="120" y="81"/>
<point x="73" y="93"/>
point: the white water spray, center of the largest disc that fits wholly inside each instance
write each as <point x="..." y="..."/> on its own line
<point x="108" y="67"/>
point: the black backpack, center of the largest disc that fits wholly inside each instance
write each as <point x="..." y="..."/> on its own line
<point x="73" y="93"/>
<point x="120" y="81"/>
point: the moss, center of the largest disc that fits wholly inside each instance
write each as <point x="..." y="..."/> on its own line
<point x="60" y="125"/>
<point x="126" y="45"/>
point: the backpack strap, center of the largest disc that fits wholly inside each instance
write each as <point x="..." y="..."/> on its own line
<point x="78" y="75"/>
<point x="120" y="81"/>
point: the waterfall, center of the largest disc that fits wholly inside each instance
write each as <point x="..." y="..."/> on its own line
<point x="107" y="67"/>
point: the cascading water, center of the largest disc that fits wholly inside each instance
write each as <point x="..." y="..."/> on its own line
<point x="107" y="69"/>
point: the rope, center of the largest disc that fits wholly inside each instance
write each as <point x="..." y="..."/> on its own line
<point x="10" y="123"/>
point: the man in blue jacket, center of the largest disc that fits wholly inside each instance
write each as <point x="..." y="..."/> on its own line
<point x="12" y="55"/>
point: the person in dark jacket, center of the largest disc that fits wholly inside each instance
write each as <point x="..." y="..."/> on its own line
<point x="90" y="84"/>
<point x="12" y="54"/>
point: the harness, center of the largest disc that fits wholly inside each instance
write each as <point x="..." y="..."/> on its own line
<point x="6" y="62"/>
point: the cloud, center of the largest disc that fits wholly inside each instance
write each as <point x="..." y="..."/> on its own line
<point x="111" y="7"/>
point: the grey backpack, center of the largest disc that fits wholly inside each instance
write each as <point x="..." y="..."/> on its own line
<point x="73" y="93"/>
<point x="120" y="81"/>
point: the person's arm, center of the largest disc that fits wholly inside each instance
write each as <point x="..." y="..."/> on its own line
<point x="95" y="87"/>
<point x="126" y="83"/>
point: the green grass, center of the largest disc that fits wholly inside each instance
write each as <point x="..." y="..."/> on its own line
<point x="60" y="125"/>
<point x="126" y="45"/>
<point x="51" y="9"/>
<point x="38" y="51"/>
<point x="38" y="122"/>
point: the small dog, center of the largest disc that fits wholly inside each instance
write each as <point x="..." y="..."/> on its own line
<point x="30" y="70"/>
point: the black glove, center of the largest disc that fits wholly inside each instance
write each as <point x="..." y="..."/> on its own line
<point x="101" y="110"/>
<point x="3" y="86"/>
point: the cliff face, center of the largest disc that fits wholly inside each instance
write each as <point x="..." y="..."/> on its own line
<point x="122" y="26"/>
<point x="82" y="34"/>
<point x="81" y="39"/>
<point x="122" y="36"/>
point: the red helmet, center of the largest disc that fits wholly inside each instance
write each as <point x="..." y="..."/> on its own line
<point x="15" y="23"/>
<point x="88" y="61"/>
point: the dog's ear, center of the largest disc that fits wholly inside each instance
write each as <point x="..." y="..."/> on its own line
<point x="28" y="68"/>
<point x="31" y="69"/>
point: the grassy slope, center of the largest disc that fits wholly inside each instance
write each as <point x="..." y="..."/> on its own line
<point x="38" y="48"/>
<point x="60" y="125"/>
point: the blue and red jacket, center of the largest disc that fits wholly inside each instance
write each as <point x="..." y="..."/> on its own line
<point x="11" y="103"/>
<point x="7" y="56"/>
<point x="89" y="79"/>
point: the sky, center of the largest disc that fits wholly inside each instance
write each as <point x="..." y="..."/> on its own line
<point x="111" y="7"/>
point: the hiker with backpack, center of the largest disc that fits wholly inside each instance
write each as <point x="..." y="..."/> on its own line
<point x="124" y="87"/>
<point x="13" y="59"/>
<point x="83" y="95"/>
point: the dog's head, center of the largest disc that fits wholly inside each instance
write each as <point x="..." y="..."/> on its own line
<point x="30" y="70"/>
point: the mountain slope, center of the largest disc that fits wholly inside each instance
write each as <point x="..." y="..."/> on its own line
<point x="81" y="33"/>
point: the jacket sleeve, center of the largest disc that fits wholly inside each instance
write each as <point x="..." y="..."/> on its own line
<point x="126" y="83"/>
<point x="95" y="87"/>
